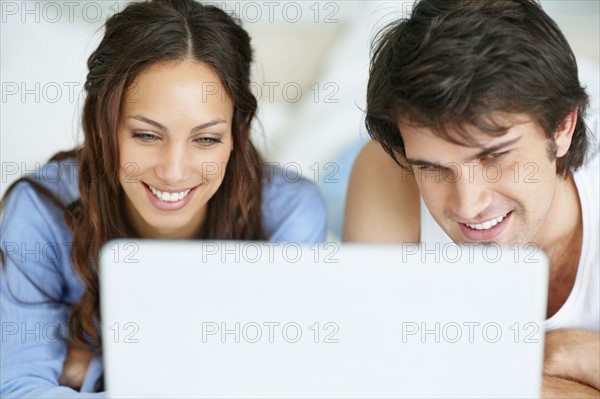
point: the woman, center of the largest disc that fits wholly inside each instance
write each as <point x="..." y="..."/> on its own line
<point x="166" y="154"/>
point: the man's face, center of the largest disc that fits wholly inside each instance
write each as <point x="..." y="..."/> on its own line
<point x="500" y="191"/>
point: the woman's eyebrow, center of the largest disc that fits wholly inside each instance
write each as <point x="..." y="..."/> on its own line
<point x="148" y="121"/>
<point x="208" y="124"/>
<point x="161" y="127"/>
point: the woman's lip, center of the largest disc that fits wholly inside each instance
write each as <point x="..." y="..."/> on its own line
<point x="169" y="190"/>
<point x="168" y="205"/>
<point x="485" y="235"/>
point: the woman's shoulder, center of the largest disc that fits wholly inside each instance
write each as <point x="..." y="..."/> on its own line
<point x="59" y="178"/>
<point x="278" y="183"/>
<point x="39" y="199"/>
<point x="293" y="207"/>
<point x="34" y="235"/>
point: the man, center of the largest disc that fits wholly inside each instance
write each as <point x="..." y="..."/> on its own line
<point x="478" y="119"/>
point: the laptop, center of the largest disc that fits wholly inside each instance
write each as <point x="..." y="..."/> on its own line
<point x="226" y="319"/>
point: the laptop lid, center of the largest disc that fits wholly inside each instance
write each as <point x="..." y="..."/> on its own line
<point x="259" y="319"/>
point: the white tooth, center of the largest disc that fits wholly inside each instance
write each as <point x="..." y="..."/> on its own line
<point x="488" y="224"/>
<point x="170" y="197"/>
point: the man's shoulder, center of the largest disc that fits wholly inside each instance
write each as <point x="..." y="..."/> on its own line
<point x="592" y="164"/>
<point x="587" y="177"/>
<point x="383" y="200"/>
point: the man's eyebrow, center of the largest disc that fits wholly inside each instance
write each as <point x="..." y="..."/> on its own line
<point x="161" y="127"/>
<point x="483" y="153"/>
<point x="420" y="162"/>
<point x="487" y="151"/>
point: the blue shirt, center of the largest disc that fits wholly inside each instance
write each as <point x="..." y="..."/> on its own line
<point x="36" y="241"/>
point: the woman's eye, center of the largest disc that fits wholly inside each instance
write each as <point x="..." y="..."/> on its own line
<point x="148" y="137"/>
<point x="207" y="140"/>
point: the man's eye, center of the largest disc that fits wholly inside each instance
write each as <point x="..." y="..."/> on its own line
<point x="495" y="155"/>
<point x="426" y="168"/>
<point x="148" y="137"/>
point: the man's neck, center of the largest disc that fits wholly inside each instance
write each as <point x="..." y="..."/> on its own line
<point x="563" y="221"/>
<point x="561" y="238"/>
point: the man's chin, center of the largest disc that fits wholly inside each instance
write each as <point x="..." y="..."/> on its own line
<point x="464" y="241"/>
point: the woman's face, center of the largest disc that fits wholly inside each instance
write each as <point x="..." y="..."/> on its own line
<point x="174" y="140"/>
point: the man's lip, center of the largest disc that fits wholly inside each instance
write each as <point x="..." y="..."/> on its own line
<point x="486" y="235"/>
<point x="481" y="221"/>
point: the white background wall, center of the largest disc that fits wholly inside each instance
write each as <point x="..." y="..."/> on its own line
<point x="321" y="47"/>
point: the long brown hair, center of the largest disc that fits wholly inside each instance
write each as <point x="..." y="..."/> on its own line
<point x="139" y="36"/>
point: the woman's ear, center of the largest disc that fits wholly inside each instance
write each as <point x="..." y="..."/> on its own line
<point x="564" y="135"/>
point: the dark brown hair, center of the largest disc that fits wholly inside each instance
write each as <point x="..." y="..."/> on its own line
<point x="458" y="63"/>
<point x="139" y="36"/>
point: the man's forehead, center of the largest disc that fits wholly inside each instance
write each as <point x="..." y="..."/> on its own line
<point x="494" y="130"/>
